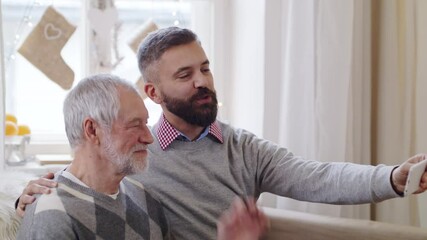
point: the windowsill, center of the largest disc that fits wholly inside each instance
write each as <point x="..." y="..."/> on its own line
<point x="35" y="148"/>
<point x="42" y="164"/>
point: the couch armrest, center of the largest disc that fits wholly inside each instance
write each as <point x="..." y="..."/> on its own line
<point x="11" y="185"/>
<point x="293" y="225"/>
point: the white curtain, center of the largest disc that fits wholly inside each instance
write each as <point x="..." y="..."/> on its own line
<point x="323" y="94"/>
<point x="400" y="86"/>
<point x="353" y="84"/>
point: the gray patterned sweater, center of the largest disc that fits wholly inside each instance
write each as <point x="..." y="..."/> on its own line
<point x="197" y="181"/>
<point x="73" y="211"/>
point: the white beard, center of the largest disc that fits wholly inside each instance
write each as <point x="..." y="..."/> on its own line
<point x="125" y="162"/>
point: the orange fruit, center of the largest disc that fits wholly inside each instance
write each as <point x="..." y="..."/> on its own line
<point x="23" y="130"/>
<point x="11" y="128"/>
<point x="11" y="117"/>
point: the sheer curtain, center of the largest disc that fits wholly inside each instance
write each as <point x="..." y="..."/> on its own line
<point x="399" y="90"/>
<point x="353" y="81"/>
<point x="323" y="98"/>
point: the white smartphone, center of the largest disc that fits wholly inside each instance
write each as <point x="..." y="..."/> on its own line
<point x="414" y="177"/>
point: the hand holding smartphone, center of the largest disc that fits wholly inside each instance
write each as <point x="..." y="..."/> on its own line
<point x="414" y="177"/>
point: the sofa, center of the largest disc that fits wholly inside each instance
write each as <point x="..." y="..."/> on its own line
<point x="11" y="185"/>
<point x="292" y="225"/>
<point x="285" y="224"/>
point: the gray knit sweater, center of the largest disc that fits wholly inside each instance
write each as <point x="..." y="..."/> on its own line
<point x="73" y="211"/>
<point x="197" y="181"/>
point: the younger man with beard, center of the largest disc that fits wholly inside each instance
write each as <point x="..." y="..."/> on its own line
<point x="198" y="164"/>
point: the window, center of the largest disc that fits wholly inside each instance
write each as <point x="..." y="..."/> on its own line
<point x="36" y="100"/>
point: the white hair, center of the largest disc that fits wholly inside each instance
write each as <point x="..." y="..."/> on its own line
<point x="96" y="97"/>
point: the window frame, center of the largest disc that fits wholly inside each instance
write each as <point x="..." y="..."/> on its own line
<point x="58" y="144"/>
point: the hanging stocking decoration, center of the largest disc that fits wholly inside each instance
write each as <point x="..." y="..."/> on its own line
<point x="43" y="47"/>
<point x="135" y="41"/>
<point x="143" y="31"/>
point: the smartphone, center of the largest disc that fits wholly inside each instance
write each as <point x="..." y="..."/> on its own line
<point x="414" y="177"/>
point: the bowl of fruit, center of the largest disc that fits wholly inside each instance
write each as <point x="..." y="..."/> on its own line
<point x="17" y="138"/>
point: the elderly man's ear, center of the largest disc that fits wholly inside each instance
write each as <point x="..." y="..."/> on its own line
<point x="91" y="130"/>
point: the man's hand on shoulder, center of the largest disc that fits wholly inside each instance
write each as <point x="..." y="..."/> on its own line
<point x="38" y="186"/>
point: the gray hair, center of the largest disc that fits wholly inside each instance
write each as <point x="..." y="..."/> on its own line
<point x="158" y="42"/>
<point x="96" y="97"/>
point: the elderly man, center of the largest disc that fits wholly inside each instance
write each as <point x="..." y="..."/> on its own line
<point x="199" y="164"/>
<point x="105" y="121"/>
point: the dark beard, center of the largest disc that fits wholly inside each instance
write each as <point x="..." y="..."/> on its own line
<point x="200" y="115"/>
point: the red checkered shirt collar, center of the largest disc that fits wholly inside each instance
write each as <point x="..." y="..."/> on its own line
<point x="166" y="133"/>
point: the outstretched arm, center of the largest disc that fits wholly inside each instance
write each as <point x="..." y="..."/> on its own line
<point x="243" y="221"/>
<point x="38" y="186"/>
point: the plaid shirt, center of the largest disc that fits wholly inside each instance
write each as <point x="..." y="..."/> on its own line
<point x="166" y="133"/>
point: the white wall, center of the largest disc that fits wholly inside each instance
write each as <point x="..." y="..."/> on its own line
<point x="248" y="70"/>
<point x="245" y="88"/>
<point x="2" y="106"/>
<point x="220" y="58"/>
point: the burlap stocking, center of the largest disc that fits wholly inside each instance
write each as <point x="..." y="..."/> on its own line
<point x="43" y="47"/>
<point x="143" y="31"/>
<point x="134" y="42"/>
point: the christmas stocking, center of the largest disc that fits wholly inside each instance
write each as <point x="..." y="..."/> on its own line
<point x="43" y="47"/>
<point x="134" y="42"/>
<point x="145" y="29"/>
